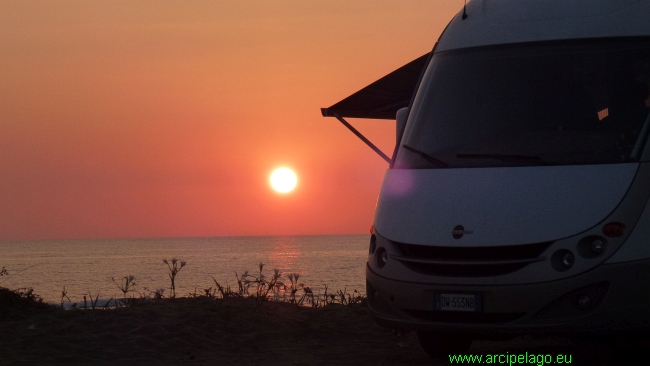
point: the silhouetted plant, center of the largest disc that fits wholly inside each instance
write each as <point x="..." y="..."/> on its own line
<point x="64" y="295"/>
<point x="174" y="266"/>
<point x="263" y="285"/>
<point x="157" y="294"/>
<point x="108" y="303"/>
<point x="225" y="291"/>
<point x="126" y="285"/>
<point x="242" y="283"/>
<point x="308" y="296"/>
<point x="210" y="293"/>
<point x="293" y="286"/>
<point x="93" y="303"/>
<point x="20" y="302"/>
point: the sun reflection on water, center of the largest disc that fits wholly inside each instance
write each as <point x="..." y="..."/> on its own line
<point x="285" y="253"/>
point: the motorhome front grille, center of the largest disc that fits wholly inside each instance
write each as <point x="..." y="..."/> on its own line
<point x="462" y="317"/>
<point x="469" y="261"/>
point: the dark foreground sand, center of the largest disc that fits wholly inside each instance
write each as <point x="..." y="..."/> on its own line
<point x="203" y="331"/>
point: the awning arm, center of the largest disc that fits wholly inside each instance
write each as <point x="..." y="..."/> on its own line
<point x="363" y="138"/>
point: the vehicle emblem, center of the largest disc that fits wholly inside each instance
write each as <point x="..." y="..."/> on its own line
<point x="459" y="231"/>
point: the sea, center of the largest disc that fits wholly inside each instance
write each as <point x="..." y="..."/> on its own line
<point x="95" y="267"/>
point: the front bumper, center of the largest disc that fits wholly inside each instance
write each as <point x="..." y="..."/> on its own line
<point x="619" y="303"/>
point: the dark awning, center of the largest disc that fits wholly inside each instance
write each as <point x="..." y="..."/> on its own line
<point x="381" y="99"/>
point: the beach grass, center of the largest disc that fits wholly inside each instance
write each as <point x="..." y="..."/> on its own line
<point x="267" y="320"/>
<point x="257" y="286"/>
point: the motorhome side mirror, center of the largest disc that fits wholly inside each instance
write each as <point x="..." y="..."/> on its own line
<point x="402" y="115"/>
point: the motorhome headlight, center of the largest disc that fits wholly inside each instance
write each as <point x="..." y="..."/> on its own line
<point x="373" y="245"/>
<point x="381" y="257"/>
<point x="592" y="246"/>
<point x="562" y="260"/>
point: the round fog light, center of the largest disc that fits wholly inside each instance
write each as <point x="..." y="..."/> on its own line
<point x="567" y="259"/>
<point x="562" y="260"/>
<point x="381" y="257"/>
<point x="592" y="246"/>
<point x="597" y="246"/>
<point x="584" y="302"/>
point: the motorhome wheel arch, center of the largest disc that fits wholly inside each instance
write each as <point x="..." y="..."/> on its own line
<point x="516" y="198"/>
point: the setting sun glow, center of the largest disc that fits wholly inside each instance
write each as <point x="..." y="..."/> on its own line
<point x="283" y="180"/>
<point x="125" y="120"/>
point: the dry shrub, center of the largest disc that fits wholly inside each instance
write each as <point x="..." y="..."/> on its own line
<point x="20" y="302"/>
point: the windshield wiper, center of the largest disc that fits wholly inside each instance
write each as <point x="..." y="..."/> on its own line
<point x="504" y="157"/>
<point x="427" y="157"/>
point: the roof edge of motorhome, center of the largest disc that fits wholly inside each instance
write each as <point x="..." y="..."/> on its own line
<point x="492" y="22"/>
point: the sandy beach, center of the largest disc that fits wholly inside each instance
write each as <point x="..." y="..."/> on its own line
<point x="237" y="331"/>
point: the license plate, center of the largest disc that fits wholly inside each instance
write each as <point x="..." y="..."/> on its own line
<point x="457" y="302"/>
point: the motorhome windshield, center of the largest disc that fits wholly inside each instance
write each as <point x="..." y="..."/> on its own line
<point x="543" y="103"/>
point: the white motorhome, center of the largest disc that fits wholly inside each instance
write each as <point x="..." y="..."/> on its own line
<point x="516" y="201"/>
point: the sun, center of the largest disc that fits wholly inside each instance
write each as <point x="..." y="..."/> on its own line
<point x="283" y="180"/>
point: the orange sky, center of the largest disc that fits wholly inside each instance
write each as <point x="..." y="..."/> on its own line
<point x="165" y="118"/>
